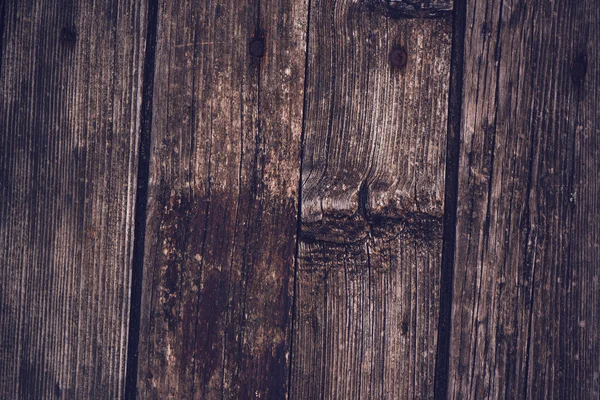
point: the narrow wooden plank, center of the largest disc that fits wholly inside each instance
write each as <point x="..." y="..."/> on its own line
<point x="526" y="293"/>
<point x="373" y="176"/>
<point x="223" y="202"/>
<point x="69" y="114"/>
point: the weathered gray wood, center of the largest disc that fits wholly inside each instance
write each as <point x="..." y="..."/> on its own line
<point x="70" y="84"/>
<point x="372" y="205"/>
<point x="222" y="212"/>
<point x="526" y="293"/>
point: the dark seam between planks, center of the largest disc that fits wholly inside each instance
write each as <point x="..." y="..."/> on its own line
<point x="141" y="202"/>
<point x="324" y="346"/>
<point x="440" y="388"/>
<point x="299" y="214"/>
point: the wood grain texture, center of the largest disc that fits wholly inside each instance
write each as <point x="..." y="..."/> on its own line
<point x="223" y="200"/>
<point x="69" y="115"/>
<point x="526" y="292"/>
<point x="372" y="205"/>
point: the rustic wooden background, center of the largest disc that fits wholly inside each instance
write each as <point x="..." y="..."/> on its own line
<point x="306" y="199"/>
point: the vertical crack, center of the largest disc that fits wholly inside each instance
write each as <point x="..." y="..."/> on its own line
<point x="299" y="215"/>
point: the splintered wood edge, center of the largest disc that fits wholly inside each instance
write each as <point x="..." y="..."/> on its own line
<point x="418" y="9"/>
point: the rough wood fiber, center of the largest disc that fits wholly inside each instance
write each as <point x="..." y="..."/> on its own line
<point x="372" y="205"/>
<point x="526" y="292"/>
<point x="69" y="114"/>
<point x="223" y="202"/>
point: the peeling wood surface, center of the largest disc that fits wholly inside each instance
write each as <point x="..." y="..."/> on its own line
<point x="372" y="205"/>
<point x="223" y="200"/>
<point x="525" y="308"/>
<point x="69" y="116"/>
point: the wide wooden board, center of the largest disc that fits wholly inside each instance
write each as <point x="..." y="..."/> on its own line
<point x="367" y="291"/>
<point x="70" y="94"/>
<point x="526" y="292"/>
<point x="223" y="200"/>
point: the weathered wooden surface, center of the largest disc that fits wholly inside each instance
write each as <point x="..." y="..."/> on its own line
<point x="223" y="200"/>
<point x="69" y="114"/>
<point x="526" y="292"/>
<point x="234" y="305"/>
<point x="373" y="176"/>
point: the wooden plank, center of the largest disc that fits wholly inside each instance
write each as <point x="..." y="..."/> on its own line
<point x="223" y="200"/>
<point x="69" y="115"/>
<point x="526" y="294"/>
<point x="372" y="204"/>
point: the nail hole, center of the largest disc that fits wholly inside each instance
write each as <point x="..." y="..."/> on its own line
<point x="579" y="69"/>
<point x="68" y="36"/>
<point x="399" y="58"/>
<point x="404" y="328"/>
<point x="257" y="47"/>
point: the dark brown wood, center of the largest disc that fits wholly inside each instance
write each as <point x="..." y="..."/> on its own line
<point x="526" y="306"/>
<point x="70" y="87"/>
<point x="266" y="111"/>
<point x="372" y="204"/>
<point x="223" y="200"/>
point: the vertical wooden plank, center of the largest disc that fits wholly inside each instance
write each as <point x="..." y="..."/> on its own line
<point x="223" y="201"/>
<point x="525" y="309"/>
<point x="70" y="93"/>
<point x="372" y="201"/>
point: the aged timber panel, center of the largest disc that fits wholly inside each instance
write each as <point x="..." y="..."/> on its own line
<point x="526" y="291"/>
<point x="223" y="199"/>
<point x="70" y="93"/>
<point x="367" y="290"/>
